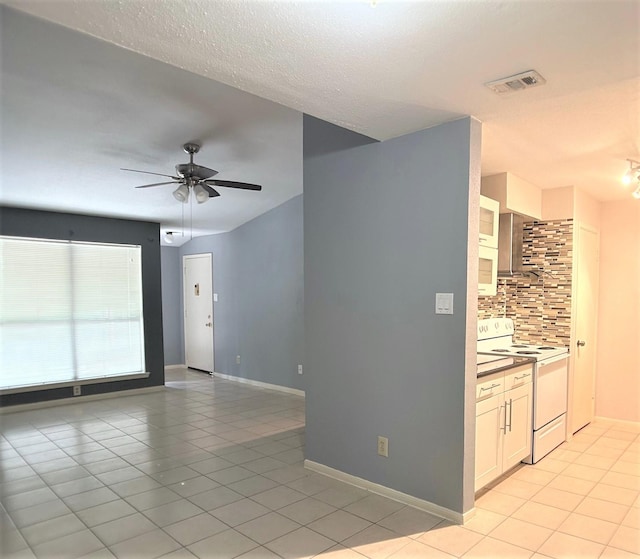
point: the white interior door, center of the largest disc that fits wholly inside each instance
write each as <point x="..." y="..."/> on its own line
<point x="198" y="311"/>
<point x="583" y="352"/>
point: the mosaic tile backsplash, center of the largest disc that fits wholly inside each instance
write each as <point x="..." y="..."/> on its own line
<point x="540" y="306"/>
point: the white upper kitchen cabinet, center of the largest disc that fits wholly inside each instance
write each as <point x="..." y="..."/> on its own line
<point x="489" y="221"/>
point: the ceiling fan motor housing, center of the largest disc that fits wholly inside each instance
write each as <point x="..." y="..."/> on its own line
<point x="191" y="170"/>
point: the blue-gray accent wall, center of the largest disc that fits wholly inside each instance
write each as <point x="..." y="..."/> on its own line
<point x="171" y="311"/>
<point x="52" y="225"/>
<point x="385" y="229"/>
<point x="258" y="277"/>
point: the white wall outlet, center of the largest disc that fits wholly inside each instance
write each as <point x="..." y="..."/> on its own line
<point x="299" y="369"/>
<point x="77" y="390"/>
<point x="383" y="446"/>
<point x="237" y="359"/>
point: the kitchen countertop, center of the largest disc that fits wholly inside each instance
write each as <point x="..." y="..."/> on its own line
<point x="490" y="363"/>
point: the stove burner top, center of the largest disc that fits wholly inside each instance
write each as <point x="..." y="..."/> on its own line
<point x="528" y="352"/>
<point x="545" y="347"/>
<point x="501" y="350"/>
<point x="519" y="345"/>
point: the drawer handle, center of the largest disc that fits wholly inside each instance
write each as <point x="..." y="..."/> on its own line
<point x="490" y="387"/>
<point x="523" y="376"/>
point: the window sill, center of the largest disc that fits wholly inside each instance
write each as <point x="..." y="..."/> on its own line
<point x="83" y="382"/>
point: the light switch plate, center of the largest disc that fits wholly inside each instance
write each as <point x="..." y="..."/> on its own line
<point x="444" y="303"/>
<point x="215" y="297"/>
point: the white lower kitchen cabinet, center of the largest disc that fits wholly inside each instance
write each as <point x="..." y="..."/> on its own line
<point x="503" y="422"/>
<point x="489" y="415"/>
<point x="517" y="436"/>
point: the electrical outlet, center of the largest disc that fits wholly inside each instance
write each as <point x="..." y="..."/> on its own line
<point x="383" y="446"/>
<point x="77" y="390"/>
<point x="299" y="369"/>
<point x="237" y="359"/>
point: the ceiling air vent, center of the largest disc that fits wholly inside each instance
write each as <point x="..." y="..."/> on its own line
<point x="518" y="82"/>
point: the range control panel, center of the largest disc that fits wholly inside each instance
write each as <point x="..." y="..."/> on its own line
<point x="494" y="327"/>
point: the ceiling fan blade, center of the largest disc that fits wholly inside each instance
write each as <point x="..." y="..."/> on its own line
<point x="150" y="173"/>
<point x="156" y="184"/>
<point x="212" y="193"/>
<point x="233" y="184"/>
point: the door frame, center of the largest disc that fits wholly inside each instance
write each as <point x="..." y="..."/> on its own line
<point x="209" y="257"/>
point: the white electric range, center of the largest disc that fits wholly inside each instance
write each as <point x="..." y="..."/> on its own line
<point x="550" y="380"/>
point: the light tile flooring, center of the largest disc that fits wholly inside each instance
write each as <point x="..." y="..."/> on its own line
<point x="213" y="469"/>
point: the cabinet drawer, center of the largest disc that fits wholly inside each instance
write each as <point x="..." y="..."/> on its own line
<point x="518" y="377"/>
<point x="490" y="386"/>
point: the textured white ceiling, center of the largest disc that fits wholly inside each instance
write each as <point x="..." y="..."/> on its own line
<point x="383" y="71"/>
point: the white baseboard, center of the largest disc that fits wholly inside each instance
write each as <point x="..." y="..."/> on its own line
<point x="261" y="384"/>
<point x="615" y="420"/>
<point x="404" y="498"/>
<point x="79" y="399"/>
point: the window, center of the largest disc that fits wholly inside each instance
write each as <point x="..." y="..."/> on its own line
<point x="70" y="312"/>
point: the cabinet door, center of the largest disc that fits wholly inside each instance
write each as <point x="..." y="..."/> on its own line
<point x="489" y="426"/>
<point x="487" y="270"/>
<point x="517" y="436"/>
<point x="489" y="222"/>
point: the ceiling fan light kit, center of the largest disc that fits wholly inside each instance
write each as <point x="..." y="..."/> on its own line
<point x="195" y="177"/>
<point x="182" y="193"/>
<point x="200" y="193"/>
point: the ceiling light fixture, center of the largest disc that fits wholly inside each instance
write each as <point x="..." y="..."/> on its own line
<point x="633" y="173"/>
<point x="168" y="237"/>
<point x="200" y="193"/>
<point x="181" y="193"/>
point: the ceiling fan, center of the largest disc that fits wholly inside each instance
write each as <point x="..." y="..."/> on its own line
<point x="196" y="178"/>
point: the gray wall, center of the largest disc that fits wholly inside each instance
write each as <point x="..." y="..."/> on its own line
<point x="171" y="312"/>
<point x="51" y="225"/>
<point x="385" y="229"/>
<point x="257" y="274"/>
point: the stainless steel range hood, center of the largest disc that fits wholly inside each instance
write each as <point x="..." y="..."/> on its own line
<point x="510" y="239"/>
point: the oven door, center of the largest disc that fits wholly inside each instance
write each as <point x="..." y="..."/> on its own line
<point x="550" y="390"/>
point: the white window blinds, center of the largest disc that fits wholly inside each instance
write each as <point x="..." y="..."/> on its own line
<point x="69" y="312"/>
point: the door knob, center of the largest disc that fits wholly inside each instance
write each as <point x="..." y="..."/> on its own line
<point x="581" y="343"/>
<point x="209" y="324"/>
